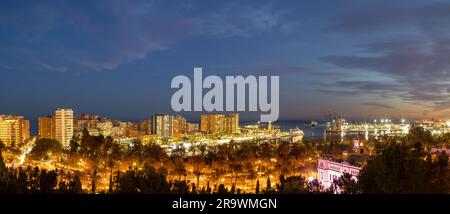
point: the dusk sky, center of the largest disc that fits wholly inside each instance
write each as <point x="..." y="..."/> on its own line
<point x="361" y="59"/>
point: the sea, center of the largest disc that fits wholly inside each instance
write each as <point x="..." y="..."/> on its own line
<point x="310" y="133"/>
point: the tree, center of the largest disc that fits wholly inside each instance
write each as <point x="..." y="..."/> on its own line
<point x="283" y="150"/>
<point x="47" y="181"/>
<point x="94" y="181"/>
<point x="269" y="185"/>
<point x="222" y="189"/>
<point x="294" y="185"/>
<point x="282" y="186"/>
<point x="75" y="185"/>
<point x="419" y="136"/>
<point x="236" y="168"/>
<point x="6" y="183"/>
<point x="74" y="145"/>
<point x="399" y="169"/>
<point x="180" y="187"/>
<point x="148" y="181"/>
<point x="44" y="148"/>
<point x="257" y="187"/>
<point x="347" y="184"/>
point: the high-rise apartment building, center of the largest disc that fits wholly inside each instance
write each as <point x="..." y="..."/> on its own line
<point x="179" y="126"/>
<point x="162" y="125"/>
<point x="219" y="123"/>
<point x="213" y="123"/>
<point x="192" y="128"/>
<point x="26" y="129"/>
<point x="232" y="123"/>
<point x="46" y="126"/>
<point x="64" y="126"/>
<point x="13" y="129"/>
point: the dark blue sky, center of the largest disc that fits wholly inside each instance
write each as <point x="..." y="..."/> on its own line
<point x="362" y="59"/>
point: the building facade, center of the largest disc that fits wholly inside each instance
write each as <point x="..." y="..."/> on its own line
<point x="212" y="123"/>
<point x="46" y="126"/>
<point x="162" y="125"/>
<point x="179" y="126"/>
<point x="219" y="123"/>
<point x="328" y="171"/>
<point x="192" y="128"/>
<point x="232" y="123"/>
<point x="64" y="126"/>
<point x="13" y="129"/>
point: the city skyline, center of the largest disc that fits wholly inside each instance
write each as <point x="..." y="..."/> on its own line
<point x="117" y="59"/>
<point x="211" y="105"/>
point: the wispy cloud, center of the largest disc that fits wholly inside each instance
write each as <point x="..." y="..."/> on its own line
<point x="238" y="20"/>
<point x="103" y="35"/>
<point x="378" y="105"/>
<point x="419" y="64"/>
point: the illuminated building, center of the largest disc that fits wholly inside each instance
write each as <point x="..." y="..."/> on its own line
<point x="232" y="123"/>
<point x="162" y="125"/>
<point x="64" y="126"/>
<point x="219" y="123"/>
<point x="13" y="129"/>
<point x="145" y="127"/>
<point x="328" y="171"/>
<point x="212" y="123"/>
<point x="192" y="128"/>
<point x="26" y="129"/>
<point x="46" y="127"/>
<point x="179" y="126"/>
<point x="105" y="128"/>
<point x="86" y="121"/>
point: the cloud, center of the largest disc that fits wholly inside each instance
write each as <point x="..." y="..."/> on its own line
<point x="90" y="36"/>
<point x="377" y="17"/>
<point x="99" y="35"/>
<point x="371" y="86"/>
<point x="62" y="69"/>
<point x="336" y="92"/>
<point x="419" y="63"/>
<point x="378" y="105"/>
<point x="424" y="75"/>
<point x="360" y="87"/>
<point x="242" y="20"/>
<point x="416" y="54"/>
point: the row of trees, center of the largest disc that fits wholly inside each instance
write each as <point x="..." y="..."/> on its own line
<point x="400" y="165"/>
<point x="151" y="181"/>
<point x="34" y="180"/>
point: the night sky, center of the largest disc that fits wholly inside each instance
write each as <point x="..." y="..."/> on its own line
<point x="361" y="59"/>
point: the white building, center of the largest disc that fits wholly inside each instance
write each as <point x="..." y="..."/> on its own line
<point x="162" y="125"/>
<point x="105" y="128"/>
<point x="64" y="126"/>
<point x="328" y="171"/>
